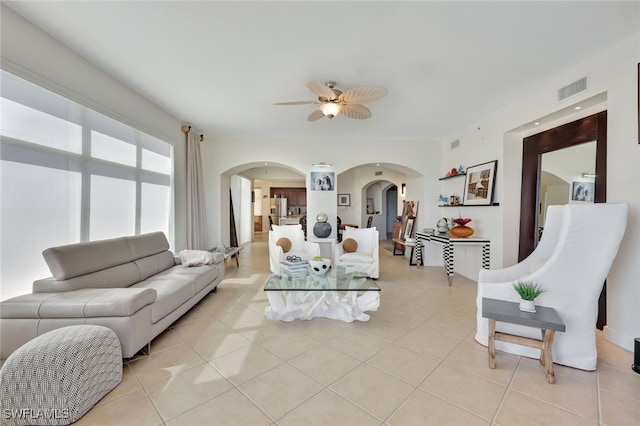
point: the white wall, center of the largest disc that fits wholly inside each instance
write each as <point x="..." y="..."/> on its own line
<point x="613" y="71"/>
<point x="32" y="54"/>
<point x="421" y="169"/>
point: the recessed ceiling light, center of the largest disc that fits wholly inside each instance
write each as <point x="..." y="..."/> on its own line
<point x="578" y="107"/>
<point x="377" y="164"/>
<point x="536" y="123"/>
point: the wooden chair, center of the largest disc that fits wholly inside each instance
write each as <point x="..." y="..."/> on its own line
<point x="397" y="241"/>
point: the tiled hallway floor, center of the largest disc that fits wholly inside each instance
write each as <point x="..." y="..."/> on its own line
<point x="414" y="363"/>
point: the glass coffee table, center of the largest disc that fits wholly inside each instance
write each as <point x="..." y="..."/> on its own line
<point x="342" y="293"/>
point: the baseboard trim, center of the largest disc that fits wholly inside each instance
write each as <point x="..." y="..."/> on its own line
<point x="619" y="338"/>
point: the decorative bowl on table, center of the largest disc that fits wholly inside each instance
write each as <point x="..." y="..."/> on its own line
<point x="321" y="266"/>
<point x="461" y="230"/>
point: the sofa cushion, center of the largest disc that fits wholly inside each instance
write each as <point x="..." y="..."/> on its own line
<point x="293" y="233"/>
<point x="201" y="276"/>
<point x="356" y="257"/>
<point x="173" y="290"/>
<point x="84" y="303"/>
<point x="83" y="258"/>
<point x="120" y="276"/>
<point x="364" y="236"/>
<point x="154" y="264"/>
<point x="73" y="260"/>
<point x="146" y="244"/>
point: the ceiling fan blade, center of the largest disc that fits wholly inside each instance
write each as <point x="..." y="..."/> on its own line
<point x="362" y="95"/>
<point x="355" y="111"/>
<point x="316" y="114"/>
<point x="298" y="103"/>
<point x="321" y="90"/>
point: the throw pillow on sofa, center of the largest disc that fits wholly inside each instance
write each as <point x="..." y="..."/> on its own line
<point x="285" y="243"/>
<point x="196" y="258"/>
<point x="350" y="245"/>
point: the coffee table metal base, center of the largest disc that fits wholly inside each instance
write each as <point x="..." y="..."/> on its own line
<point x="344" y="306"/>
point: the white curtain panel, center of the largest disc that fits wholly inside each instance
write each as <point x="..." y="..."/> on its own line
<point x="196" y="210"/>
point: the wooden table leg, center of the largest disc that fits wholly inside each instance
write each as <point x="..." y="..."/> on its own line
<point x="237" y="259"/>
<point x="492" y="343"/>
<point x="547" y="343"/>
<point x="543" y="332"/>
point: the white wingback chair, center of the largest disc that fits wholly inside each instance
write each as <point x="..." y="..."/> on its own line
<point x="367" y="255"/>
<point x="299" y="247"/>
<point x="571" y="262"/>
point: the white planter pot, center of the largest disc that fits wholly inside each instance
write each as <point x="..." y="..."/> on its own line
<point x="527" y="305"/>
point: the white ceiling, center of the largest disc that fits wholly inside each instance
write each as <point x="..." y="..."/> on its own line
<point x="221" y="65"/>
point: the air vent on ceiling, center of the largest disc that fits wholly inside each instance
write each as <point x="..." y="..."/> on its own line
<point x="572" y="89"/>
<point x="455" y="143"/>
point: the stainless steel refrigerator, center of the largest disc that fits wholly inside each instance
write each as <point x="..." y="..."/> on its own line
<point x="281" y="209"/>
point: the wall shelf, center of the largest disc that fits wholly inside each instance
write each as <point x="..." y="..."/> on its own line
<point x="453" y="177"/>
<point x="469" y="205"/>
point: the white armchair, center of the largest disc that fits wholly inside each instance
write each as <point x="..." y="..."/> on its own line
<point x="572" y="261"/>
<point x="299" y="247"/>
<point x="366" y="255"/>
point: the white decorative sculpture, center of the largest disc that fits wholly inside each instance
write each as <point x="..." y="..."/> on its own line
<point x="321" y="299"/>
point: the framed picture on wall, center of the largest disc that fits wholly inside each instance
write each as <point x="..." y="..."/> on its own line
<point x="583" y="191"/>
<point x="344" y="199"/>
<point x="322" y="181"/>
<point x="479" y="183"/>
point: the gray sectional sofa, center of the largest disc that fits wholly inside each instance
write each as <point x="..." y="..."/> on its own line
<point x="132" y="285"/>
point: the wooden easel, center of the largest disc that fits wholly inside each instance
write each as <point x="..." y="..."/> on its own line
<point x="409" y="211"/>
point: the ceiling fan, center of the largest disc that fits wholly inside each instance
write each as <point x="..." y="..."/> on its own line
<point x="333" y="101"/>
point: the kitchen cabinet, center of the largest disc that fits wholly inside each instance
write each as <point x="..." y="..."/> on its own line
<point x="297" y="197"/>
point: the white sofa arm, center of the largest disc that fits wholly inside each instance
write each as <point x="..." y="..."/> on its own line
<point x="339" y="251"/>
<point x="276" y="254"/>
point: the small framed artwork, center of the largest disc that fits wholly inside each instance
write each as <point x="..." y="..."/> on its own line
<point x="583" y="191"/>
<point x="322" y="181"/>
<point x="479" y="184"/>
<point x="344" y="199"/>
<point x="409" y="229"/>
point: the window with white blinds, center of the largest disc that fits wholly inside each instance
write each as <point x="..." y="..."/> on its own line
<point x="69" y="174"/>
<point x="257" y="201"/>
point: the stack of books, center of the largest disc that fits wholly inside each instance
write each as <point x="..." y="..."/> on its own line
<point x="294" y="269"/>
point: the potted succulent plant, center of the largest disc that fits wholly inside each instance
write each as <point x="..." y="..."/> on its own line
<point x="528" y="292"/>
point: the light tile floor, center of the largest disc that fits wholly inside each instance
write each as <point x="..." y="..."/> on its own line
<point x="414" y="363"/>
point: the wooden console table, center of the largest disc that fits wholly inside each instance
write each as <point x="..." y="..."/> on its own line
<point x="546" y="319"/>
<point x="448" y="244"/>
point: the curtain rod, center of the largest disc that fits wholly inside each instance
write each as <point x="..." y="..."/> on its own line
<point x="187" y="128"/>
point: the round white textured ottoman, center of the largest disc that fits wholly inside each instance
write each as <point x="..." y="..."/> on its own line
<point x="57" y="377"/>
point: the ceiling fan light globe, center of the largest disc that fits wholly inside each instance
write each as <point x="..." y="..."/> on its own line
<point x="330" y="109"/>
